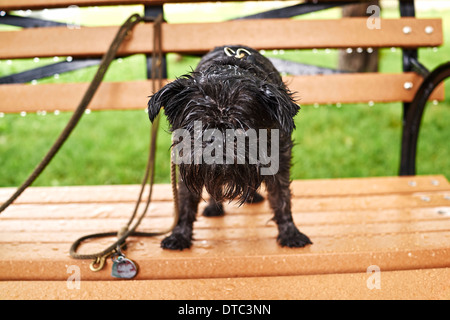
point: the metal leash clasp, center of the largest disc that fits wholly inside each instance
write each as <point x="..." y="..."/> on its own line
<point x="98" y="263"/>
<point x="239" y="53"/>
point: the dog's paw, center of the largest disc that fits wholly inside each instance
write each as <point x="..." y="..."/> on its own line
<point x="257" y="198"/>
<point x="214" y="210"/>
<point x="176" y="241"/>
<point x="291" y="237"/>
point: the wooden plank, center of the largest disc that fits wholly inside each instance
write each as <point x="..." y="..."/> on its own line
<point x="202" y="37"/>
<point x="236" y="258"/>
<point x="427" y="284"/>
<point x="251" y="227"/>
<point x="256" y="215"/>
<point x="402" y="229"/>
<point x="341" y="88"/>
<point x="356" y="88"/>
<point x="41" y="4"/>
<point x="300" y="188"/>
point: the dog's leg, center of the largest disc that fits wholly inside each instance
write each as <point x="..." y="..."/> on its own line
<point x="181" y="237"/>
<point x="214" y="209"/>
<point x="279" y="196"/>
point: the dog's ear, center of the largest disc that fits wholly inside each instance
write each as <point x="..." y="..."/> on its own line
<point x="281" y="104"/>
<point x="165" y="97"/>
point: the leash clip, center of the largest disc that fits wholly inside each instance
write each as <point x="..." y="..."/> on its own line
<point x="98" y="263"/>
<point x="239" y="53"/>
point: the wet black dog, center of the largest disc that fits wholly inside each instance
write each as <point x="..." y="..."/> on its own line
<point x="234" y="92"/>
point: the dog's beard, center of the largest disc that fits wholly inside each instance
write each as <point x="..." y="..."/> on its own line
<point x="222" y="181"/>
<point x="230" y="164"/>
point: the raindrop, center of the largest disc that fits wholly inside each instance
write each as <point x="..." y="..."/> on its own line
<point x="9" y="62"/>
<point x="69" y="59"/>
<point x="349" y="50"/>
<point x="56" y="59"/>
<point x="371" y="103"/>
<point x="2" y="115"/>
<point x="36" y="59"/>
<point x="359" y="50"/>
<point x="23" y="113"/>
<point x="56" y="76"/>
<point x="435" y="182"/>
<point x="369" y="50"/>
<point x="56" y="112"/>
<point x="34" y="82"/>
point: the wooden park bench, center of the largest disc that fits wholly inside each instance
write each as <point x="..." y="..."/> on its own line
<point x="374" y="238"/>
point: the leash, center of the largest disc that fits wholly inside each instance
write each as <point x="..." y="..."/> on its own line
<point x="120" y="262"/>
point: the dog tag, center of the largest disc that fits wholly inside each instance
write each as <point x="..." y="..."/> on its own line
<point x="123" y="268"/>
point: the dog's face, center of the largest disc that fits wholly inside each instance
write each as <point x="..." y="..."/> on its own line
<point x="222" y="99"/>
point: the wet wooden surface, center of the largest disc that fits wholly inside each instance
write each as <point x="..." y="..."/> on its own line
<point x="201" y="37"/>
<point x="399" y="224"/>
<point x="341" y="88"/>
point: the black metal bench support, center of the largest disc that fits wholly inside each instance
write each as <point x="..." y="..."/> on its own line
<point x="414" y="115"/>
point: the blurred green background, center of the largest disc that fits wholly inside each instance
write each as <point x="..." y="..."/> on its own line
<point x="110" y="147"/>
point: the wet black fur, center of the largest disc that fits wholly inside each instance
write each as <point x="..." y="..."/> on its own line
<point x="231" y="93"/>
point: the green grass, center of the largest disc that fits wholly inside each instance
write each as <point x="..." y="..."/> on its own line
<point x="110" y="147"/>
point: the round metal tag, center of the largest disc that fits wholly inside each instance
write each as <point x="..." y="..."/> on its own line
<point x="123" y="268"/>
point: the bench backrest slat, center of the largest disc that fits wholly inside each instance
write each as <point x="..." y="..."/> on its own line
<point x="41" y="4"/>
<point x="342" y="88"/>
<point x="201" y="37"/>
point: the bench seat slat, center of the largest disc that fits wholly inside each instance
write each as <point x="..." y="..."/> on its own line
<point x="404" y="285"/>
<point x="335" y="88"/>
<point x="202" y="37"/>
<point x="393" y="230"/>
<point x="237" y="258"/>
<point x="300" y="189"/>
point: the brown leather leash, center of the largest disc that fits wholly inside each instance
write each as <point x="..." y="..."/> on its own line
<point x="128" y="230"/>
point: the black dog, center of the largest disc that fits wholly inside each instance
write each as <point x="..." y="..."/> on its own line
<point x="232" y="88"/>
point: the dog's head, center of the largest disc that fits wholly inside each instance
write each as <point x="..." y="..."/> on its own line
<point x="215" y="101"/>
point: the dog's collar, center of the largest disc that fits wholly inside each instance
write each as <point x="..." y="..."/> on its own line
<point x="239" y="53"/>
